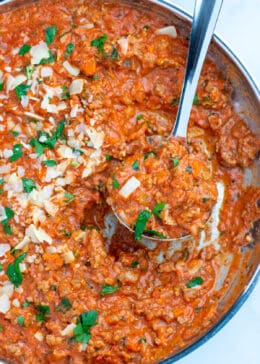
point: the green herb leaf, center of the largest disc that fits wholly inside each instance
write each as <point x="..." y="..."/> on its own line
<point x="26" y="304"/>
<point x="1" y="328"/>
<point x="175" y="161"/>
<point x="95" y="77"/>
<point x="108" y="289"/>
<point x="20" y="321"/>
<point x="139" y="117"/>
<point x="50" y="34"/>
<point x="69" y="197"/>
<point x="151" y="153"/>
<point x="196" y="100"/>
<point x="28" y="185"/>
<point x="43" y="311"/>
<point x="29" y="71"/>
<point x="142" y="340"/>
<point x="17" y="152"/>
<point x="21" y="90"/>
<point x="85" y="322"/>
<point x="1" y="267"/>
<point x="135" y="165"/>
<point x="205" y="199"/>
<point x="69" y="50"/>
<point x="65" y="95"/>
<point x="154" y="233"/>
<point x="64" y="306"/>
<point x="24" y="49"/>
<point x="141" y="222"/>
<point x="67" y="233"/>
<point x="50" y="59"/>
<point x="1" y="181"/>
<point x="206" y="99"/>
<point x="14" y="133"/>
<point x="175" y="101"/>
<point x="158" y="209"/>
<point x="1" y="86"/>
<point x="99" y="43"/>
<point x="115" y="184"/>
<point x="39" y="148"/>
<point x="108" y="157"/>
<point x="194" y="282"/>
<point x="114" y="53"/>
<point x="49" y="162"/>
<point x="5" y="223"/>
<point x="13" y="271"/>
<point x="134" y="264"/>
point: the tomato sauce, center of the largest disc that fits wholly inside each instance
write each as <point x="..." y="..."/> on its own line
<point x="75" y="76"/>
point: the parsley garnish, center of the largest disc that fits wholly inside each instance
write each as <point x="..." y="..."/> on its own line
<point x="5" y="223"/>
<point x="21" y="90"/>
<point x="95" y="77"/>
<point x="24" y="49"/>
<point x="1" y="328"/>
<point x="142" y="340"/>
<point x="135" y="165"/>
<point x="154" y="233"/>
<point x="17" y="152"/>
<point x="148" y="154"/>
<point x="196" y="281"/>
<point x="196" y="100"/>
<point x="69" y="197"/>
<point x="115" y="184"/>
<point x="99" y="43"/>
<point x="43" y="311"/>
<point x="1" y="267"/>
<point x="28" y="185"/>
<point x="65" y="93"/>
<point x="69" y="50"/>
<point x="114" y="53"/>
<point x="26" y="304"/>
<point x="1" y="181"/>
<point x="175" y="161"/>
<point x="108" y="289"/>
<point x="139" y="117"/>
<point x="29" y="71"/>
<point x="205" y="199"/>
<point x="134" y="264"/>
<point x="1" y="86"/>
<point x="50" y="59"/>
<point x="64" y="306"/>
<point x="175" y="101"/>
<point x="85" y="322"/>
<point x="108" y="157"/>
<point x="158" y="209"/>
<point x="49" y="162"/>
<point x="13" y="271"/>
<point x="141" y="222"/>
<point x="20" y="321"/>
<point x="50" y="34"/>
<point x="14" y="133"/>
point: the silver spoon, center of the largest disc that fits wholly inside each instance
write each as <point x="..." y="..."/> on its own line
<point x="205" y="16"/>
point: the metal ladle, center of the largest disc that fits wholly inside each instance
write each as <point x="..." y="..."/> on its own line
<point x="205" y="16"/>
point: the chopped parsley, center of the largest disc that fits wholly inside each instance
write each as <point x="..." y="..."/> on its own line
<point x="50" y="34"/>
<point x="65" y="93"/>
<point x="175" y="101"/>
<point x="1" y="86"/>
<point x="24" y="49"/>
<point x="69" y="50"/>
<point x="14" y="133"/>
<point x="206" y="99"/>
<point x="154" y="233"/>
<point x="13" y="270"/>
<point x="148" y="154"/>
<point x="21" y="90"/>
<point x="49" y="162"/>
<point x="29" y="71"/>
<point x="142" y="340"/>
<point x="1" y="328"/>
<point x="194" y="282"/>
<point x="43" y="311"/>
<point x="1" y="181"/>
<point x="135" y="165"/>
<point x="108" y="289"/>
<point x="1" y="267"/>
<point x="17" y="152"/>
<point x="20" y="321"/>
<point x="205" y="199"/>
<point x="196" y="100"/>
<point x="69" y="197"/>
<point x="86" y="320"/>
<point x="64" y="306"/>
<point x="188" y="169"/>
<point x="95" y="77"/>
<point x="115" y="184"/>
<point x="141" y="222"/>
<point x="156" y="211"/>
<point x="50" y="59"/>
<point x="67" y="233"/>
<point x="139" y="117"/>
<point x="28" y="185"/>
<point x="114" y="53"/>
<point x="175" y="161"/>
<point x="108" y="157"/>
<point x="26" y="304"/>
<point x="134" y="264"/>
<point x="5" y="223"/>
<point x="99" y="43"/>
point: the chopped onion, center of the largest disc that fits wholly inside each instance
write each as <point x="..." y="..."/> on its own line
<point x="13" y="82"/>
<point x="4" y="303"/>
<point x="33" y="116"/>
<point x="129" y="187"/>
<point x="123" y="42"/>
<point x="73" y="70"/>
<point x="68" y="331"/>
<point x="87" y="26"/>
<point x="4" y="248"/>
<point x="96" y="137"/>
<point x="46" y="72"/>
<point x="170" y="31"/>
<point x="76" y="86"/>
<point x="38" y="52"/>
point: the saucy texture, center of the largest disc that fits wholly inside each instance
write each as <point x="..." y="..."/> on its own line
<point x="84" y="87"/>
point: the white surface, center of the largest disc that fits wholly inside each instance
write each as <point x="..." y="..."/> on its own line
<point x="239" y="341"/>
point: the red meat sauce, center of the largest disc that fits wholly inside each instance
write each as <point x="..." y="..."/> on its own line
<point x="74" y="79"/>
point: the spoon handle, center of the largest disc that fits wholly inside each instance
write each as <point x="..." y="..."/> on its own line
<point x="205" y="16"/>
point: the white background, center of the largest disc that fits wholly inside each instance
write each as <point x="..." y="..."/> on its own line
<point x="239" y="341"/>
